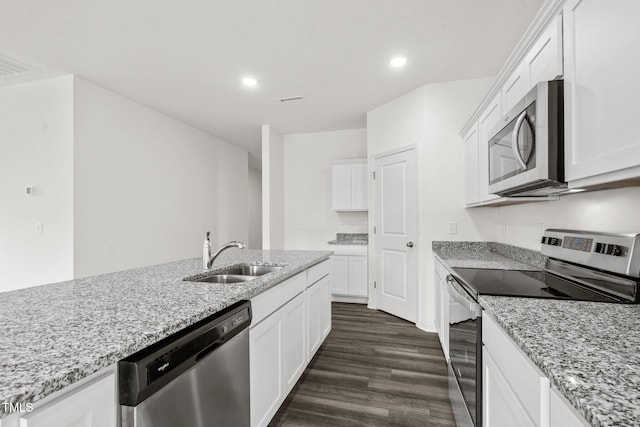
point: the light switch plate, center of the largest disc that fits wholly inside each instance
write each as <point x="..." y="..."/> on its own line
<point x="452" y="228"/>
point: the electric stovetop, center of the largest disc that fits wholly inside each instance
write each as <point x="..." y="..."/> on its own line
<point x="520" y="283"/>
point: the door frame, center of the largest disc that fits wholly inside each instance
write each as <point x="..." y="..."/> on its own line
<point x="372" y="221"/>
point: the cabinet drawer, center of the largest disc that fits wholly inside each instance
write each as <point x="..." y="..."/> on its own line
<point x="269" y="301"/>
<point x="529" y="385"/>
<point x="318" y="271"/>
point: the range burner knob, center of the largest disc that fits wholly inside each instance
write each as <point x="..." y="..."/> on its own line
<point x="615" y="250"/>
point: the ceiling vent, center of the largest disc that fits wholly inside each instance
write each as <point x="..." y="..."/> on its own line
<point x="292" y="99"/>
<point x="10" y="68"/>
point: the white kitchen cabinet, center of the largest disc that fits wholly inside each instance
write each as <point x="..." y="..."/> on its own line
<point x="601" y="91"/>
<point x="349" y="275"/>
<point x="489" y="119"/>
<point x="349" y="186"/>
<point x="442" y="307"/>
<point x="514" y="89"/>
<point x="500" y="407"/>
<point x="340" y="275"/>
<point x="266" y="363"/>
<point x="325" y="307"/>
<point x="283" y="318"/>
<point x="313" y="324"/>
<point x="358" y="276"/>
<point x="92" y="405"/>
<point x="543" y="62"/>
<point x="562" y="414"/>
<point x="471" y="143"/>
<point x="294" y="340"/>
<point x="514" y="388"/>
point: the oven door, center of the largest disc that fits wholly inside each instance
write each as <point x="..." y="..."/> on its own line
<point x="465" y="353"/>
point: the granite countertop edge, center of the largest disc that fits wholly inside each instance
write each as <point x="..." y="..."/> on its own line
<point x="23" y="392"/>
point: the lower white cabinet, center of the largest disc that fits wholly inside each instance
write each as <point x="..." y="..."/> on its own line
<point x="501" y="407"/>
<point x="266" y="373"/>
<point x="442" y="307"/>
<point x="92" y="405"/>
<point x="290" y="323"/>
<point x="512" y="378"/>
<point x="349" y="277"/>
<point x="562" y="414"/>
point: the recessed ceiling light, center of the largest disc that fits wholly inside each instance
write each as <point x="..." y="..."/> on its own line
<point x="249" y="81"/>
<point x="398" y="61"/>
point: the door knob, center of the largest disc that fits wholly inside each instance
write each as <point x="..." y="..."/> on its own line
<point x="409" y="244"/>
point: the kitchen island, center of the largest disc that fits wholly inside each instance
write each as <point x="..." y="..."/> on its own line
<point x="56" y="335"/>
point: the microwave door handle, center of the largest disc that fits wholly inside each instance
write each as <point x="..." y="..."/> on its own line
<point x="515" y="138"/>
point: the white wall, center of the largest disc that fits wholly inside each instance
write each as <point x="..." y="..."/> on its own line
<point x="148" y="187"/>
<point x="615" y="211"/>
<point x="36" y="148"/>
<point x="309" y="220"/>
<point x="272" y="188"/>
<point x="255" y="209"/>
<point x="430" y="117"/>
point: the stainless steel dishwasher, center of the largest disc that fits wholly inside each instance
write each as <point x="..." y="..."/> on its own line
<point x="197" y="377"/>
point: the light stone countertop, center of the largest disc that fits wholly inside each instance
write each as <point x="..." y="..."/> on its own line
<point x="57" y="334"/>
<point x="588" y="350"/>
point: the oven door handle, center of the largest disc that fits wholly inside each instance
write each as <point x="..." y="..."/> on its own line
<point x="515" y="140"/>
<point x="461" y="298"/>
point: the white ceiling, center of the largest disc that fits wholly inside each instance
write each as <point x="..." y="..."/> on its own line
<point x="186" y="58"/>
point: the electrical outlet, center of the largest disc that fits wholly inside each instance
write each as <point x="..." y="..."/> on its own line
<point x="452" y="228"/>
<point x="301" y="225"/>
<point x="38" y="228"/>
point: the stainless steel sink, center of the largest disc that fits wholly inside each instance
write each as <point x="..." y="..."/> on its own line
<point x="252" y="270"/>
<point x="225" y="278"/>
<point x="237" y="274"/>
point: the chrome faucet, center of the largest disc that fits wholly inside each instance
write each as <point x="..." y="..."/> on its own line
<point x="233" y="244"/>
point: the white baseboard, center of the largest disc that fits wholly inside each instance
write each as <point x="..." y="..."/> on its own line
<point x="427" y="327"/>
<point x="354" y="300"/>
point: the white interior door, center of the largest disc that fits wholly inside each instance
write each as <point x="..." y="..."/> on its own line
<point x="396" y="225"/>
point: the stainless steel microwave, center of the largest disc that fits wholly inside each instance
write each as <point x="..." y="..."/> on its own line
<point x="526" y="155"/>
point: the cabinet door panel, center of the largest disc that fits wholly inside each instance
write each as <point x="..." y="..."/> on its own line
<point x="471" y="166"/>
<point x="561" y="414"/>
<point x="359" y="191"/>
<point x="500" y="406"/>
<point x="313" y="316"/>
<point x="341" y="187"/>
<point x="325" y="307"/>
<point x="340" y="275"/>
<point x="514" y="89"/>
<point x="358" y="276"/>
<point x="294" y="341"/>
<point x="544" y="60"/>
<point x="601" y="92"/>
<point x="90" y="406"/>
<point x="266" y="369"/>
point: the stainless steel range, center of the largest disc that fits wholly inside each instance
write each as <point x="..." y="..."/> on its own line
<point x="581" y="265"/>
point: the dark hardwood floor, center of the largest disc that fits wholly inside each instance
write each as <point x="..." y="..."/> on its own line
<point x="374" y="369"/>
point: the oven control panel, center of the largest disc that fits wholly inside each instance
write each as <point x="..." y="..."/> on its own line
<point x="617" y="253"/>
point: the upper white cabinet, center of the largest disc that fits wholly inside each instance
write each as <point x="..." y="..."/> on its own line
<point x="471" y="142"/>
<point x="515" y="88"/>
<point x="602" y="143"/>
<point x="544" y="60"/>
<point x="349" y="185"/>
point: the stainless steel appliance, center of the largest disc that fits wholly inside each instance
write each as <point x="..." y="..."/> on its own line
<point x="581" y="265"/>
<point x="526" y="152"/>
<point x="196" y="377"/>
